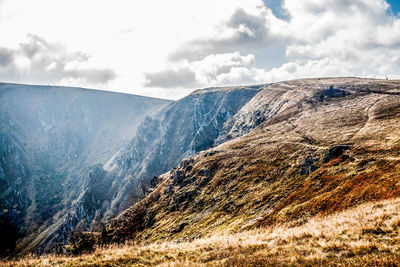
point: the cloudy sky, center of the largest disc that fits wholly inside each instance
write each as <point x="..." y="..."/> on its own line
<point x="168" y="48"/>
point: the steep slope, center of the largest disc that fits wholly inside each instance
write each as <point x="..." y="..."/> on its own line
<point x="180" y="129"/>
<point x="363" y="236"/>
<point x="336" y="146"/>
<point x="49" y="138"/>
<point x="14" y="170"/>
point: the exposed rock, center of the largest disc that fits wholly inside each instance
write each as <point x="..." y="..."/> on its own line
<point x="204" y="172"/>
<point x="204" y="181"/>
<point x="154" y="181"/>
<point x="330" y="92"/>
<point x="307" y="165"/>
<point x="149" y="219"/>
<point x="168" y="189"/>
<point x="335" y="152"/>
<point x="181" y="197"/>
<point x="186" y="162"/>
<point x="179" y="178"/>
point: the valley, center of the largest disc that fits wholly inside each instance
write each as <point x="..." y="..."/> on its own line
<point x="243" y="175"/>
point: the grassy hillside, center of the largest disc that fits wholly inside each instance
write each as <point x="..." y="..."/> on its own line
<point x="318" y="156"/>
<point x="304" y="186"/>
<point x="362" y="236"/>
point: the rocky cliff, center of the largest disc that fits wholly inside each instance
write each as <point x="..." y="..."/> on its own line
<point x="233" y="158"/>
<point x="181" y="129"/>
<point x="334" y="144"/>
<point x="49" y="139"/>
<point x="92" y="154"/>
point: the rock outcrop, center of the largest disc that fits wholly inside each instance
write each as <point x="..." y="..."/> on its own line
<point x="71" y="133"/>
<point x="312" y="157"/>
<point x="181" y="129"/>
<point x="80" y="163"/>
<point x="49" y="139"/>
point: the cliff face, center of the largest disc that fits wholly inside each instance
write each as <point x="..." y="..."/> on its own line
<point x="88" y="155"/>
<point x="49" y="139"/>
<point x="72" y="159"/>
<point x="181" y="129"/>
<point x="336" y="145"/>
<point x="14" y="201"/>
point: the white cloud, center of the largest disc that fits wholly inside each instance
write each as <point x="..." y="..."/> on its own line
<point x="224" y="69"/>
<point x="167" y="48"/>
<point x="322" y="38"/>
<point x="242" y="31"/>
<point x="38" y="61"/>
<point x="212" y="70"/>
<point x="353" y="37"/>
<point x="171" y="78"/>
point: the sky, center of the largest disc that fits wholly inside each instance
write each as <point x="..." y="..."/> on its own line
<point x="169" y="48"/>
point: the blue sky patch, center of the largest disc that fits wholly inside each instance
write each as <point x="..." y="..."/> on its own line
<point x="276" y="7"/>
<point x="395" y="6"/>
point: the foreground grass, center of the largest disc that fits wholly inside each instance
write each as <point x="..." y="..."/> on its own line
<point x="366" y="235"/>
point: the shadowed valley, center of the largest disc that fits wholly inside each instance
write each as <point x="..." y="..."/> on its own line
<point x="235" y="176"/>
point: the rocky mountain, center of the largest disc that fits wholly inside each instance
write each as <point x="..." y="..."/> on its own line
<point x="49" y="139"/>
<point x="247" y="170"/>
<point x="219" y="160"/>
<point x="91" y="154"/>
<point x="180" y="129"/>
<point x="321" y="146"/>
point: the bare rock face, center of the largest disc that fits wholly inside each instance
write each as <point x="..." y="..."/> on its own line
<point x="307" y="165"/>
<point x="315" y="155"/>
<point x="73" y="159"/>
<point x="335" y="152"/>
<point x="65" y="136"/>
<point x="181" y="129"/>
<point x="49" y="138"/>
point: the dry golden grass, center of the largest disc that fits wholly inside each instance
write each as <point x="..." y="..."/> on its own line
<point x="363" y="236"/>
<point x="208" y="214"/>
<point x="255" y="181"/>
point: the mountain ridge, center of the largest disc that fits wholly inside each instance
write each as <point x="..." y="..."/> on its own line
<point x="237" y="158"/>
<point x="56" y="132"/>
<point x="75" y="88"/>
<point x="283" y="170"/>
<point x="92" y="192"/>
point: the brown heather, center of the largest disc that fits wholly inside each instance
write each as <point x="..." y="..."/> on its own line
<point x="279" y="195"/>
<point x="255" y="181"/>
<point x="367" y="235"/>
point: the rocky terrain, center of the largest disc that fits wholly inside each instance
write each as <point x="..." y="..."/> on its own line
<point x="232" y="161"/>
<point x="49" y="139"/>
<point x="91" y="154"/>
<point x="335" y="146"/>
<point x="181" y="129"/>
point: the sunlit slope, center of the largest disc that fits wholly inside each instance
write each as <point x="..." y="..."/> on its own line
<point x="336" y="148"/>
<point x="362" y="236"/>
